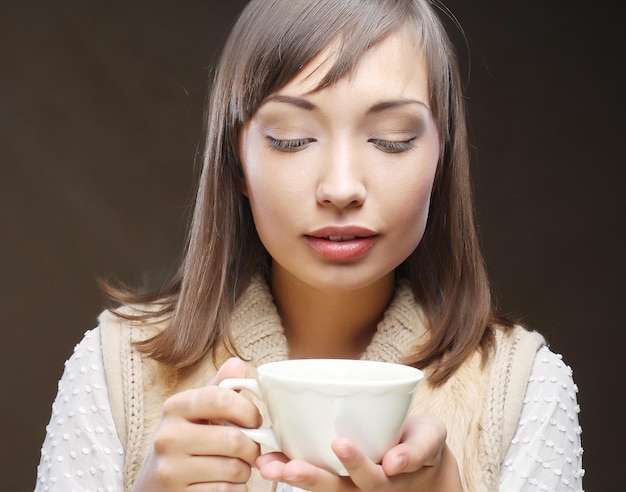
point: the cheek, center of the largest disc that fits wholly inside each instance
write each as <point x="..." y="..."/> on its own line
<point x="274" y="190"/>
<point x="264" y="201"/>
<point x="411" y="203"/>
<point x="415" y="206"/>
<point x="257" y="185"/>
<point x="272" y="201"/>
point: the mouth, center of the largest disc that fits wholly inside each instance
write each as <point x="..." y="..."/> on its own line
<point x="342" y="243"/>
<point x="342" y="233"/>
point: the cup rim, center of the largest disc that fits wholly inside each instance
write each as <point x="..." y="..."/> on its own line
<point x="409" y="374"/>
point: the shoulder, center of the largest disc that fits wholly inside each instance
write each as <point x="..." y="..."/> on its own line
<point x="548" y="360"/>
<point x="512" y="362"/>
<point x="550" y="377"/>
<point x="120" y="330"/>
<point x="551" y="387"/>
<point x="85" y="363"/>
<point x="511" y="365"/>
<point x="518" y="341"/>
<point x="88" y="344"/>
<point x="141" y="320"/>
<point x="86" y="358"/>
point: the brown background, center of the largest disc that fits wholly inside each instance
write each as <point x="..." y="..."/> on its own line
<point x="100" y="124"/>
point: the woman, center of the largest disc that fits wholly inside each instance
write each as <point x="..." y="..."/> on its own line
<point x="333" y="219"/>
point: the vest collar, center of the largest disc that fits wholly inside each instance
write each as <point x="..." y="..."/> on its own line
<point x="259" y="336"/>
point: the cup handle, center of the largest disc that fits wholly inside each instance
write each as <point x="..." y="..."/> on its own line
<point x="263" y="436"/>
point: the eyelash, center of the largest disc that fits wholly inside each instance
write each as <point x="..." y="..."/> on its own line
<point x="393" y="146"/>
<point x="296" y="144"/>
<point x="292" y="145"/>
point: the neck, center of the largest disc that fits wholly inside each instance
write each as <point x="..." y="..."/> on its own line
<point x="329" y="324"/>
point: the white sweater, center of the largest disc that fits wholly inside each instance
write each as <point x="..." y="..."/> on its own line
<point x="83" y="450"/>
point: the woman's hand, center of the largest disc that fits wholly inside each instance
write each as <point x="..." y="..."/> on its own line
<point x="192" y="448"/>
<point x="420" y="462"/>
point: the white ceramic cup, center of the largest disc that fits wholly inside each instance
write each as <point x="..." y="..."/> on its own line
<point x="311" y="402"/>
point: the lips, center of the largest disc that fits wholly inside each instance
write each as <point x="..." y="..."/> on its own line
<point x="342" y="243"/>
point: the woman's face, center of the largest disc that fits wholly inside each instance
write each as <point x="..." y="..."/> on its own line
<point x="339" y="180"/>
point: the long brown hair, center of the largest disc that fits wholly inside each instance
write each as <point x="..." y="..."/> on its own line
<point x="269" y="44"/>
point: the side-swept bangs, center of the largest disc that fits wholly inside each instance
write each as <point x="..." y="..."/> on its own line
<point x="273" y="40"/>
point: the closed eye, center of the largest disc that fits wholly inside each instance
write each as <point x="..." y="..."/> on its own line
<point x="393" y="146"/>
<point x="289" y="145"/>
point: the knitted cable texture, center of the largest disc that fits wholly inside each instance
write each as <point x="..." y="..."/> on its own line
<point x="494" y="410"/>
<point x="400" y="329"/>
<point x="256" y="326"/>
<point x="134" y="404"/>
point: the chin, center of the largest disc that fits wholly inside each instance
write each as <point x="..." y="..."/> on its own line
<point x="349" y="280"/>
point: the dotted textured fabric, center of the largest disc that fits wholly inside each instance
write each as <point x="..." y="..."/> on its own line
<point x="83" y="453"/>
<point x="546" y="451"/>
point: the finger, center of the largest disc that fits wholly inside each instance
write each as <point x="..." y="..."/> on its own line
<point x="421" y="444"/>
<point x="363" y="471"/>
<point x="229" y="441"/>
<point x="271" y="465"/>
<point x="267" y="458"/>
<point x="202" y="469"/>
<point x="205" y="440"/>
<point x="212" y="404"/>
<point x="232" y="368"/>
<point x="305" y="476"/>
<point x="217" y="469"/>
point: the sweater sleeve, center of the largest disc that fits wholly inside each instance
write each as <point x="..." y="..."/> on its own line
<point x="546" y="452"/>
<point x="81" y="450"/>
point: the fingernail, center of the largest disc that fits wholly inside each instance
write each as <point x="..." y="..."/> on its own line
<point x="342" y="451"/>
<point x="294" y="477"/>
<point x="401" y="462"/>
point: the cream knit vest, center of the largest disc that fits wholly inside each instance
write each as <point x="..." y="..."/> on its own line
<point x="479" y="404"/>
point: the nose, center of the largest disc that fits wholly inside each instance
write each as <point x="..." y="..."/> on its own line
<point x="342" y="180"/>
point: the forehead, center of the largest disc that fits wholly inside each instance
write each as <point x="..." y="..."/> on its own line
<point x="396" y="64"/>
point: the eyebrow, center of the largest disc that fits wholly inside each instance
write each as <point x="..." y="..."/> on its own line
<point x="395" y="103"/>
<point x="376" y="108"/>
<point x="296" y="101"/>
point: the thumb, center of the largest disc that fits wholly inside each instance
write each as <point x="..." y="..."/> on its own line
<point x="232" y="368"/>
